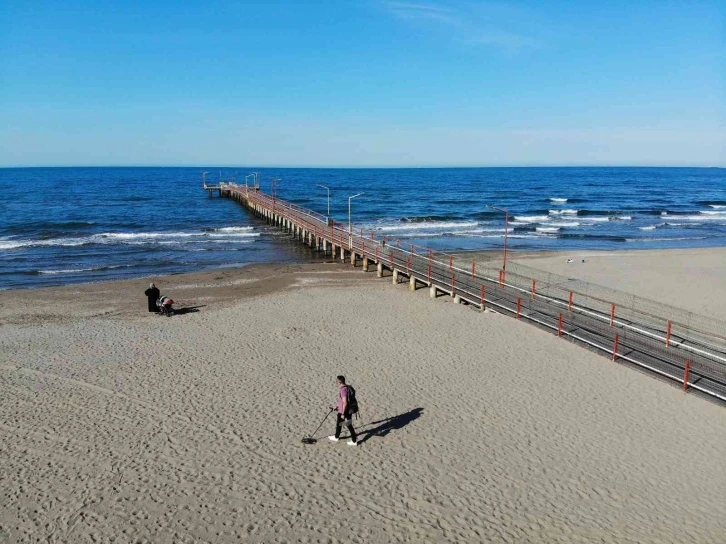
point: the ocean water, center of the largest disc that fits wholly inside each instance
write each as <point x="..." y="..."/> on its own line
<point x="66" y="225"/>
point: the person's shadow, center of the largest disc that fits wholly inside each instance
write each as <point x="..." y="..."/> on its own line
<point x="385" y="426"/>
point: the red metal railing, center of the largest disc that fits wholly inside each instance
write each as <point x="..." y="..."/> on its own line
<point x="510" y="295"/>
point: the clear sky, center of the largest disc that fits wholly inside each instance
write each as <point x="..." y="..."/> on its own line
<point x="362" y="83"/>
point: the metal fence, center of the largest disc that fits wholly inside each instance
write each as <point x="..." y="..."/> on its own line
<point x="669" y="341"/>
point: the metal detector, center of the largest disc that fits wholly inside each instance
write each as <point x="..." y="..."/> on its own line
<point x="310" y="439"/>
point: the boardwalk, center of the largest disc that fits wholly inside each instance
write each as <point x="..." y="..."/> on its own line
<point x="670" y="346"/>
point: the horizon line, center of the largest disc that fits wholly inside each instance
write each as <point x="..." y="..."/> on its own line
<point x="362" y="167"/>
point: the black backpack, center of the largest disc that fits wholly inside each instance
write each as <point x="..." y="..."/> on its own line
<point x="352" y="401"/>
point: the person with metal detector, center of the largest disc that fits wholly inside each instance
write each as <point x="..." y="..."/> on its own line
<point x="347" y="406"/>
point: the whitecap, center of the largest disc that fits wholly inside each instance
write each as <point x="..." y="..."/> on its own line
<point x="675" y="239"/>
<point x="701" y="217"/>
<point x="558" y="199"/>
<point x="142" y="235"/>
<point x="15" y="244"/>
<point x="68" y="271"/>
<point x="563" y="212"/>
<point x="596" y="219"/>
<point x="241" y="234"/>
<point x="531" y="218"/>
<point x="547" y="230"/>
<point x="479" y="231"/>
<point x="233" y="229"/>
<point x="427" y="225"/>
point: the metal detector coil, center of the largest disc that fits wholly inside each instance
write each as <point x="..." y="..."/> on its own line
<point x="309" y="439"/>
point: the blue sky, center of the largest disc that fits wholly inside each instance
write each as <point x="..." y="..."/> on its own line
<point x="362" y="83"/>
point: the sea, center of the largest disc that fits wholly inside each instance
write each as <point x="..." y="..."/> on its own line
<point x="70" y="225"/>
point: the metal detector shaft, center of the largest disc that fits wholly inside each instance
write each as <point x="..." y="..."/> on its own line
<point x="321" y="423"/>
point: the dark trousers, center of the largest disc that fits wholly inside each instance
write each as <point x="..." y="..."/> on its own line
<point x="348" y="423"/>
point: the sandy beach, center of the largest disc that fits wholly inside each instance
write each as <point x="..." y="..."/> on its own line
<point x="123" y="426"/>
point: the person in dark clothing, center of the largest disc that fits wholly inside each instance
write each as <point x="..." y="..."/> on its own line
<point x="152" y="293"/>
<point x="344" y="414"/>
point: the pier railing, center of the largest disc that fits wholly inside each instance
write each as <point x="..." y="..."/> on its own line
<point x="669" y="341"/>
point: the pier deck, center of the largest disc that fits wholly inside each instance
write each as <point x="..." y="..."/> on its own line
<point x="693" y="357"/>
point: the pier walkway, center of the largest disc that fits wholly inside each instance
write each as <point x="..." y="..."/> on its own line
<point x="681" y="346"/>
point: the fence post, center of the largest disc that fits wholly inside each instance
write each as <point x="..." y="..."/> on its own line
<point x="451" y="263"/>
<point x="615" y="348"/>
<point x="411" y="249"/>
<point x="473" y="269"/>
<point x="668" y="334"/>
<point x="686" y="373"/>
<point x="569" y="305"/>
<point x="453" y="284"/>
<point x="519" y="304"/>
<point x="534" y="288"/>
<point x="429" y="273"/>
<point x="500" y="278"/>
<point x="482" y="296"/>
<point x="612" y="314"/>
<point x="559" y="326"/>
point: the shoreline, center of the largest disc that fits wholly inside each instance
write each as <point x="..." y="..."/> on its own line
<point x="125" y="298"/>
<point x="689" y="280"/>
<point x="603" y="268"/>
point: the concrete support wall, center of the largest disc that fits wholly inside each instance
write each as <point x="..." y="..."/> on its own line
<point x="380" y="269"/>
<point x="432" y="291"/>
<point x="411" y="283"/>
<point x="395" y="277"/>
<point x="365" y="264"/>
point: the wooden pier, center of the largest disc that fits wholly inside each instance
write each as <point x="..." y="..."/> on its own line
<point x="694" y="358"/>
<point x="211" y="188"/>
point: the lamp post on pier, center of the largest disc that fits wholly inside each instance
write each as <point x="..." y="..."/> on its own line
<point x="252" y="175"/>
<point x="350" y="227"/>
<point x="273" y="186"/>
<point x="327" y="217"/>
<point x="506" y="229"/>
<point x="273" y="190"/>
